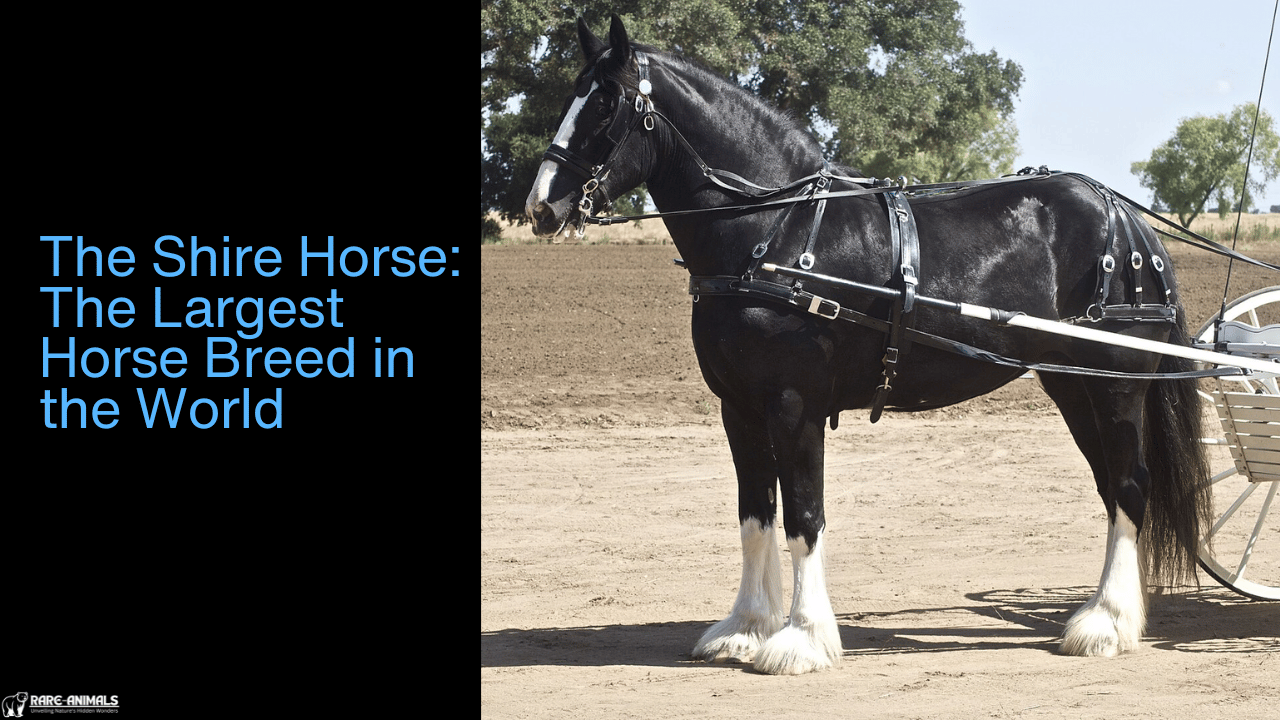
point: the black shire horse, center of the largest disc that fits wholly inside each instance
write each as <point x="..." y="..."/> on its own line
<point x="783" y="368"/>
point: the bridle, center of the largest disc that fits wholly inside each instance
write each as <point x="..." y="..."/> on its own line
<point x="629" y="114"/>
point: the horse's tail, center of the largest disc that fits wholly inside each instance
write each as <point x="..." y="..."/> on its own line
<point x="1180" y="504"/>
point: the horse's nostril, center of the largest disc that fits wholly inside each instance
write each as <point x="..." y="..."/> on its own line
<point x="543" y="216"/>
<point x="540" y="212"/>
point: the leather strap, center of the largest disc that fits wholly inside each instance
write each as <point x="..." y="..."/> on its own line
<point x="821" y="186"/>
<point x="1127" y="313"/>
<point x="568" y="159"/>
<point x="906" y="263"/>
<point x="830" y="309"/>
<point x="758" y="252"/>
<point x="1156" y="262"/>
<point x="1124" y="224"/>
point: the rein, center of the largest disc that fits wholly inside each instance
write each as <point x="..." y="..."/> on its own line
<point x="639" y="110"/>
<point x="885" y="185"/>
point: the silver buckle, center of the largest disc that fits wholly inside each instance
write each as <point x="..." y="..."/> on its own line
<point x="815" y="307"/>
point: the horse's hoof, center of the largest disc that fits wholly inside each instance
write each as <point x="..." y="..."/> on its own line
<point x="734" y="639"/>
<point x="1093" y="632"/>
<point x="737" y="647"/>
<point x="795" y="651"/>
<point x="1092" y="637"/>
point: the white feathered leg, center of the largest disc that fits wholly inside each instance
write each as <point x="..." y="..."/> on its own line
<point x="757" y="613"/>
<point x="1114" y="618"/>
<point x="811" y="639"/>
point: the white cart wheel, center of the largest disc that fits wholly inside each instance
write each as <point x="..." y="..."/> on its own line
<point x="1240" y="551"/>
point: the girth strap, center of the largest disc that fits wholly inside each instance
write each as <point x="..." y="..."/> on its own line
<point x="906" y="262"/>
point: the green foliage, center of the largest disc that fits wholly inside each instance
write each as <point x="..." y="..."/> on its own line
<point x="490" y="230"/>
<point x="890" y="87"/>
<point x="927" y="106"/>
<point x="1206" y="157"/>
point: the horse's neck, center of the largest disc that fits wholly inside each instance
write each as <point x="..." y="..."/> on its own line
<point x="728" y="136"/>
<point x="731" y="131"/>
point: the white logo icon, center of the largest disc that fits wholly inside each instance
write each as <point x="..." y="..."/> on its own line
<point x="15" y="704"/>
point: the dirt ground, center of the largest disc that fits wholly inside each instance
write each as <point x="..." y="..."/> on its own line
<point x="958" y="540"/>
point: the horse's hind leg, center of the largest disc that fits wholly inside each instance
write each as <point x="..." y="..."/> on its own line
<point x="1105" y="418"/>
<point x="1112" y="621"/>
<point x="811" y="639"/>
<point x="757" y="612"/>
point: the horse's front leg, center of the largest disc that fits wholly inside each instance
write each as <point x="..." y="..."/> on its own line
<point x="811" y="639"/>
<point x="757" y="612"/>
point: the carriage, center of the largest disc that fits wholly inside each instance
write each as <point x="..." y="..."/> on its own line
<point x="831" y="292"/>
<point x="1248" y="410"/>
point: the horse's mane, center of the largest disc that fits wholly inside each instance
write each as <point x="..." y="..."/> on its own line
<point x="785" y="128"/>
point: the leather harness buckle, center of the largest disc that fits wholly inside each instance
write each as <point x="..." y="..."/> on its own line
<point x="818" y="304"/>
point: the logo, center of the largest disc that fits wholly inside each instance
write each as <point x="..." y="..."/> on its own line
<point x="15" y="704"/>
<point x="27" y="705"/>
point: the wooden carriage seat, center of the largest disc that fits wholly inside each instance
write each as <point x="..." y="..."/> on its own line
<point x="1251" y="420"/>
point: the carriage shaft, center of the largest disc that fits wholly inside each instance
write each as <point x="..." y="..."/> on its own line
<point x="1018" y="319"/>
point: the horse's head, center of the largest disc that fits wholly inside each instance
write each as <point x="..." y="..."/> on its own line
<point x="597" y="153"/>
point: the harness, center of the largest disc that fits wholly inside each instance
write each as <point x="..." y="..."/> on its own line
<point x="832" y="310"/>
<point x="906" y="261"/>
<point x="1130" y="246"/>
<point x="1122" y="214"/>
<point x="899" y="327"/>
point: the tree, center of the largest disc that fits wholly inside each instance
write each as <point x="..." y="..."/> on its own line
<point x="1205" y="159"/>
<point x="890" y="87"/>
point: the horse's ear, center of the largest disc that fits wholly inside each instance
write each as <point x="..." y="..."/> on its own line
<point x="618" y="39"/>
<point x="591" y="45"/>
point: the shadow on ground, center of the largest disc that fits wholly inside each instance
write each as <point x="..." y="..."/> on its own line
<point x="1210" y="620"/>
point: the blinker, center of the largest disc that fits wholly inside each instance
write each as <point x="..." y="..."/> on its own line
<point x="621" y="122"/>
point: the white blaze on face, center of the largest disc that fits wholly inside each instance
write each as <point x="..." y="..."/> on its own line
<point x="547" y="172"/>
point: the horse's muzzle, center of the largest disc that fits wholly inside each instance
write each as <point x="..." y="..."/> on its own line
<point x="543" y="218"/>
<point x="549" y="218"/>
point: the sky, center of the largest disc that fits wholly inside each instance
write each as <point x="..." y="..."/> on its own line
<point x="1105" y="83"/>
